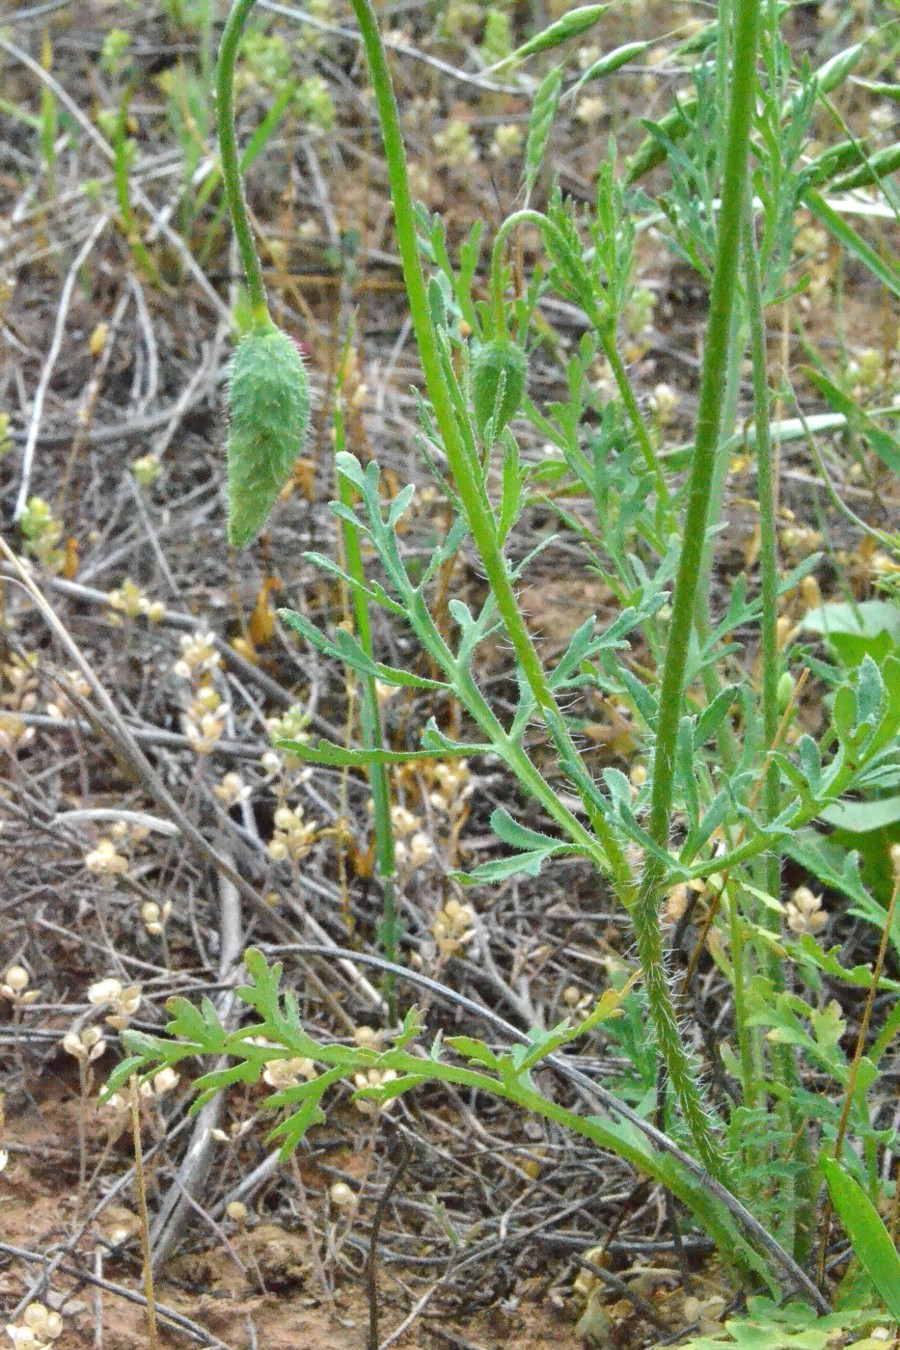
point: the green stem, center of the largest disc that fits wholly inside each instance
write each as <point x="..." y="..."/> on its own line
<point x="784" y="1056"/>
<point x="768" y="547"/>
<point x="745" y="1045"/>
<point x="370" y="721"/>
<point x="231" y="174"/>
<point x="479" y="517"/>
<point x="706" y="442"/>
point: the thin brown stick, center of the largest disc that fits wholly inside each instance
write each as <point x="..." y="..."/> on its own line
<point x="142" y="1211"/>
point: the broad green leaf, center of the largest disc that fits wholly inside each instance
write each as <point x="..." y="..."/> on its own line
<point x="341" y="756"/>
<point x="863" y="620"/>
<point x="807" y="950"/>
<point x="510" y="832"/>
<point x="869" y="1238"/>
<point x="500" y="868"/>
<point x="861" y="817"/>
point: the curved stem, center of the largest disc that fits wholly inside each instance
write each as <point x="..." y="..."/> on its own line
<point x="231" y="173"/>
<point x="480" y="520"/>
<point x="561" y="1064"/>
<point x="477" y="510"/>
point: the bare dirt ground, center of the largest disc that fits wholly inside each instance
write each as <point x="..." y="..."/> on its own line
<point x="111" y="355"/>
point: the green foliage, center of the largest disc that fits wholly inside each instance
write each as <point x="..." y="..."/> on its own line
<point x="793" y="1326"/>
<point x="268" y="400"/>
<point x="726" y="788"/>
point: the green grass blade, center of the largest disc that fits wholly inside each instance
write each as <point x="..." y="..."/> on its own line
<point x="885" y="272"/>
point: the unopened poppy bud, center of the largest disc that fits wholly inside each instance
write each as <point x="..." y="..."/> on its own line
<point x="498" y="376"/>
<point x="268" y="402"/>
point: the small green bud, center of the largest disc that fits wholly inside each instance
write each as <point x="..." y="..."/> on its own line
<point x="784" y="690"/>
<point x="268" y="403"/>
<point x="146" y="470"/>
<point x="498" y="361"/>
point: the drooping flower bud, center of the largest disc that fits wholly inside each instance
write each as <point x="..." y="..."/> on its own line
<point x="499" y="362"/>
<point x="268" y="404"/>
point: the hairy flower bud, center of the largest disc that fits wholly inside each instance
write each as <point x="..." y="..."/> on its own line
<point x="268" y="402"/>
<point x="498" y="363"/>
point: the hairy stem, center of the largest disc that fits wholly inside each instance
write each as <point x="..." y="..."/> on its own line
<point x="370" y="719"/>
<point x="706" y="442"/>
<point x="477" y="510"/>
<point x="231" y="173"/>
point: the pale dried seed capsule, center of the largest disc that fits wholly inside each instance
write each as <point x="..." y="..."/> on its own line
<point x="341" y="1195"/>
<point x="16" y="979"/>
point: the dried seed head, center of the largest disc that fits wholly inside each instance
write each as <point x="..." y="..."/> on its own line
<point x="804" y="912"/>
<point x="341" y="1195"/>
<point x="268" y="401"/>
<point x="15" y="980"/>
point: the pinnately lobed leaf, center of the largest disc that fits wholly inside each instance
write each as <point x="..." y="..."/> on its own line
<point x="268" y="404"/>
<point x="498" y="360"/>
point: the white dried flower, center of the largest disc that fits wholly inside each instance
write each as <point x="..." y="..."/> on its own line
<point x="341" y="1195"/>
<point x="85" y="1045"/>
<point x="22" y="1337"/>
<point x="591" y="109"/>
<point x="804" y="912"/>
<point x="272" y="763"/>
<point x="105" y="860"/>
<point x="232" y="790"/>
<point x="104" y="992"/>
<point x="286" y="1073"/>
<point x="664" y="400"/>
<point x="372" y="1078"/>
<point x="43" y="1321"/>
<point x="368" y="1037"/>
<point x="198" y="653"/>
<point x="403" y="821"/>
<point x="453" y="928"/>
<point x="154" y="916"/>
<point x="420" y="850"/>
<point x="165" y="1081"/>
<point x="508" y="140"/>
<point x="455" y="144"/>
<point x="293" y="837"/>
<point x="15" y="986"/>
<point x="204" y="721"/>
